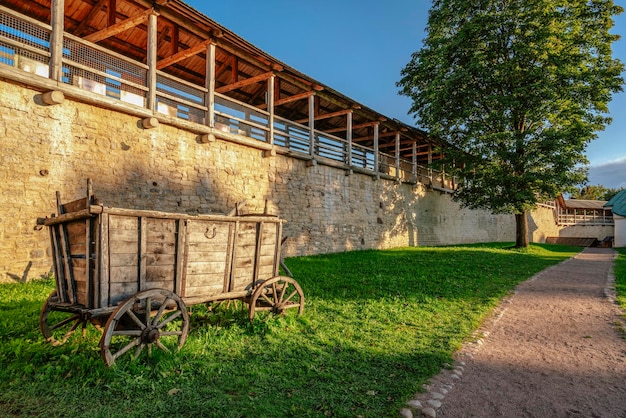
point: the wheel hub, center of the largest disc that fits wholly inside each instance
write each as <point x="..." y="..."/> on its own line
<point x="150" y="335"/>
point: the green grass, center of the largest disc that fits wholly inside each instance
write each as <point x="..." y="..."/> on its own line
<point x="620" y="277"/>
<point x="377" y="325"/>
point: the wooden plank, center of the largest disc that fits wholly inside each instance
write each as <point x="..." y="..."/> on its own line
<point x="215" y="257"/>
<point x="142" y="253"/>
<point x="94" y="277"/>
<point x="160" y="247"/>
<point x="243" y="83"/>
<point x="190" y="52"/>
<point x="206" y="267"/>
<point x="158" y="229"/>
<point x="121" y="291"/>
<point x="124" y="260"/>
<point x="257" y="254"/>
<point x="123" y="235"/>
<point x="213" y="280"/>
<point x="181" y="226"/>
<point x="123" y="247"/>
<point x="120" y="222"/>
<point x="159" y="273"/>
<point x="103" y="276"/>
<point x="76" y="205"/>
<point x="160" y="284"/>
<point x="160" y="259"/>
<point x="119" y="27"/>
<point x="204" y="291"/>
<point x="123" y="274"/>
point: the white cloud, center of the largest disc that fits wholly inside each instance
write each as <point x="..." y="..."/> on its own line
<point x="611" y="175"/>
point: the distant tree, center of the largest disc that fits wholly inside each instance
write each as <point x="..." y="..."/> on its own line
<point x="517" y="88"/>
<point x="590" y="193"/>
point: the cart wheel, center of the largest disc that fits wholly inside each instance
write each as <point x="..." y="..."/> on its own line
<point x="151" y="317"/>
<point x="277" y="295"/>
<point x="58" y="326"/>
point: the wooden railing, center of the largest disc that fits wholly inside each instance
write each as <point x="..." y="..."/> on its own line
<point x="26" y="44"/>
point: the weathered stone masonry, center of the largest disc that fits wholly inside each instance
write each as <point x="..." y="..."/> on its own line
<point x="49" y="148"/>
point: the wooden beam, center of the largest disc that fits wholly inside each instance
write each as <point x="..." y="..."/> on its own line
<point x="327" y="115"/>
<point x="359" y="126"/>
<point x="295" y="97"/>
<point x="243" y="83"/>
<point x="120" y="27"/>
<point x="186" y="53"/>
<point x="111" y="12"/>
<point x="83" y="24"/>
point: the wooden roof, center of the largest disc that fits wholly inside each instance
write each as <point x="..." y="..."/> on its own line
<point x="241" y="68"/>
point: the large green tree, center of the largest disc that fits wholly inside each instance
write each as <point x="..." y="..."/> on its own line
<point x="517" y="89"/>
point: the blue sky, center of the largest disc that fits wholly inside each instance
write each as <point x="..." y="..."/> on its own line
<point x="358" y="47"/>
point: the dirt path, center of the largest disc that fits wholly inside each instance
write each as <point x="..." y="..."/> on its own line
<point x="551" y="350"/>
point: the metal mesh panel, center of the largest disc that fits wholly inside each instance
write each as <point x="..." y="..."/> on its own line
<point x="12" y="27"/>
<point x="24" y="45"/>
<point x="183" y="91"/>
<point x="103" y="73"/>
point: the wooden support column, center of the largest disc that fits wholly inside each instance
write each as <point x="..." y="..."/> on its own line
<point x="376" y="154"/>
<point x="312" y="125"/>
<point x="430" y="161"/>
<point x="349" y="138"/>
<point x="414" y="163"/>
<point x="210" y="85"/>
<point x="398" y="156"/>
<point x="270" y="107"/>
<point x="152" y="60"/>
<point x="57" y="21"/>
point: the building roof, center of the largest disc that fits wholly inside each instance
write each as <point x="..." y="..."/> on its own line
<point x="584" y="204"/>
<point x="618" y="204"/>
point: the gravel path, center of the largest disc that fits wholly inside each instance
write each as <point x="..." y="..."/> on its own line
<point x="552" y="349"/>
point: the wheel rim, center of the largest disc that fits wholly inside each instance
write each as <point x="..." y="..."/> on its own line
<point x="58" y="326"/>
<point x="277" y="295"/>
<point x="152" y="318"/>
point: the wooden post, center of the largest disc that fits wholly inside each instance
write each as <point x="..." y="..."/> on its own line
<point x="210" y="85"/>
<point x="376" y="156"/>
<point x="430" y="161"/>
<point x="414" y="165"/>
<point x="270" y="107"/>
<point x="152" y="60"/>
<point x="349" y="138"/>
<point x="312" y="125"/>
<point x="57" y="21"/>
<point x="398" y="156"/>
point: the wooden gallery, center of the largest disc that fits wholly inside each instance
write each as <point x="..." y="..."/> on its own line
<point x="166" y="110"/>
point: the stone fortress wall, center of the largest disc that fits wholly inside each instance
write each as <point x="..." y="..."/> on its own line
<point x="49" y="148"/>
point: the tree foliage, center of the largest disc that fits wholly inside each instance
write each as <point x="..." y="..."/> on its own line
<point x="516" y="88"/>
<point x="598" y="192"/>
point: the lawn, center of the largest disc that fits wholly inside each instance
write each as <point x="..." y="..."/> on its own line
<point x="377" y="325"/>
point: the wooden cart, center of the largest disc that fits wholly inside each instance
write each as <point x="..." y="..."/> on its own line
<point x="134" y="272"/>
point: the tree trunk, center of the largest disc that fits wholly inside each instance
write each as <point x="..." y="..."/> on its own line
<point x="521" y="230"/>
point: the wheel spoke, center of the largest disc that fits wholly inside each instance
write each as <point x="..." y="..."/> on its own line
<point x="268" y="300"/>
<point x="169" y="319"/>
<point x="160" y="312"/>
<point x="65" y="322"/>
<point x="124" y="349"/>
<point x="295" y="292"/>
<point x="148" y="310"/>
<point x="282" y="293"/>
<point x="161" y="346"/>
<point x="136" y="320"/>
<point x="127" y="333"/>
<point x="138" y="350"/>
